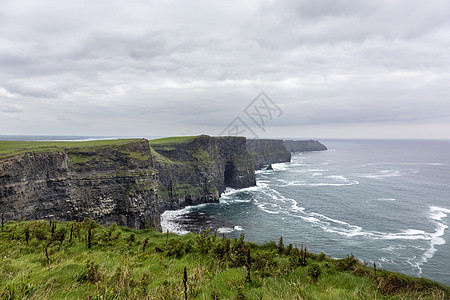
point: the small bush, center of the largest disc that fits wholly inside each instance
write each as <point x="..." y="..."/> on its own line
<point x="313" y="272"/>
<point x="91" y="273"/>
<point x="346" y="264"/>
<point x="175" y="247"/>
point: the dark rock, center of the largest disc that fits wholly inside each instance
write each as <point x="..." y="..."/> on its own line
<point x="199" y="170"/>
<point x="269" y="167"/>
<point x="267" y="151"/>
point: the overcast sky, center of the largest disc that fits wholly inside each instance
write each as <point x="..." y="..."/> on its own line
<point x="369" y="69"/>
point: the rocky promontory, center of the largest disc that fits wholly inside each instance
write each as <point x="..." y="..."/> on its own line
<point x="307" y="145"/>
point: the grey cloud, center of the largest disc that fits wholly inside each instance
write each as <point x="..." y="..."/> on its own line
<point x="196" y="65"/>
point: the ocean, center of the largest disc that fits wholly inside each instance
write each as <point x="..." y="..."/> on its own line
<point x="384" y="201"/>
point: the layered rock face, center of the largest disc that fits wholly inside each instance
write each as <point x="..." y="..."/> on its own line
<point x="198" y="171"/>
<point x="108" y="184"/>
<point x="266" y="151"/>
<point x="298" y="146"/>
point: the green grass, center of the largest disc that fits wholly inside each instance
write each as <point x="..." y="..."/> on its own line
<point x="9" y="148"/>
<point x="172" y="140"/>
<point x="161" y="158"/>
<point x="118" y="267"/>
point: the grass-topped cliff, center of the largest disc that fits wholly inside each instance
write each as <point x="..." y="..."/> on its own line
<point x="82" y="260"/>
<point x="10" y="148"/>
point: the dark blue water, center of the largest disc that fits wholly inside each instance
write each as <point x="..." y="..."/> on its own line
<point x="384" y="201"/>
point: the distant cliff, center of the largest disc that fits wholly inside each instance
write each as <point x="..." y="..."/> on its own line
<point x="267" y="151"/>
<point x="309" y="145"/>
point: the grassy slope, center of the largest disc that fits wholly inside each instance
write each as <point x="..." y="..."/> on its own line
<point x="117" y="267"/>
<point x="172" y="140"/>
<point x="9" y="148"/>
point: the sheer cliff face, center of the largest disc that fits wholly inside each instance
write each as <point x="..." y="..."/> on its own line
<point x="198" y="171"/>
<point x="128" y="184"/>
<point x="267" y="151"/>
<point x="109" y="184"/>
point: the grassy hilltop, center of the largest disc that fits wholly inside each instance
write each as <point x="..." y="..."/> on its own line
<point x="82" y="260"/>
<point x="10" y="148"/>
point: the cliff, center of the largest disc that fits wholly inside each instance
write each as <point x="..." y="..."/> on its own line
<point x="108" y="184"/>
<point x="309" y="145"/>
<point x="267" y="151"/>
<point x="129" y="184"/>
<point x="198" y="170"/>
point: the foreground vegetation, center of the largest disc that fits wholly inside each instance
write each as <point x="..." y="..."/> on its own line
<point x="82" y="260"/>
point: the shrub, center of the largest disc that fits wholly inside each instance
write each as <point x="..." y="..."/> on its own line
<point x="280" y="246"/>
<point x="346" y="264"/>
<point x="239" y="250"/>
<point x="175" y="247"/>
<point x="90" y="273"/>
<point x="265" y="263"/>
<point x="38" y="231"/>
<point x="313" y="272"/>
<point x="204" y="242"/>
<point x="321" y="256"/>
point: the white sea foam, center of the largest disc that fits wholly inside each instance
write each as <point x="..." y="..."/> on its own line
<point x="168" y="221"/>
<point x="264" y="207"/>
<point x="383" y="174"/>
<point x="337" y="177"/>
<point x="281" y="166"/>
<point x="230" y="190"/>
<point x="352" y="182"/>
<point x="297" y="208"/>
<point x="314" y="184"/>
<point x="436" y="214"/>
<point x="225" y="230"/>
<point x="385" y="199"/>
<point x="238" y="228"/>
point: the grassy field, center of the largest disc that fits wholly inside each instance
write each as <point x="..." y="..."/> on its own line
<point x="82" y="260"/>
<point x="9" y="148"/>
<point x="172" y="140"/>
